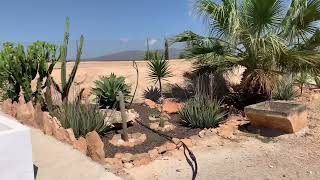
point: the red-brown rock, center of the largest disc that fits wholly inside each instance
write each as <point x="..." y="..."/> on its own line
<point x="114" y="162"/>
<point x="95" y="147"/>
<point x="151" y="104"/>
<point x="47" y="123"/>
<point x="171" y="107"/>
<point x="26" y="114"/>
<point x="153" y="154"/>
<point x="8" y="107"/>
<point x="141" y="159"/>
<point x="81" y="145"/>
<point x="168" y="146"/>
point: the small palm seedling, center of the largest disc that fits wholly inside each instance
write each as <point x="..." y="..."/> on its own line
<point x="201" y="112"/>
<point x="106" y="89"/>
<point x="301" y="79"/>
<point x="284" y="90"/>
<point x="158" y="69"/>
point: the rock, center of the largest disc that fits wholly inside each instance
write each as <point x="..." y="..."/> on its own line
<point x="8" y="107"/>
<point x="141" y="159"/>
<point x="61" y="134"/>
<point x="151" y="104"/>
<point x="202" y="133"/>
<point x="70" y="138"/>
<point x="153" y="154"/>
<point x="134" y="139"/>
<point x="95" y="146"/>
<point x="47" y="124"/>
<point x="128" y="165"/>
<point x="114" y="162"/>
<point x="80" y="78"/>
<point x="187" y="142"/>
<point x="55" y="126"/>
<point x="226" y="132"/>
<point x="154" y="125"/>
<point x="176" y="141"/>
<point x="127" y="157"/>
<point x="171" y="107"/>
<point x="21" y="100"/>
<point x="119" y="155"/>
<point x="39" y="117"/>
<point x="168" y="146"/>
<point x="26" y="114"/>
<point x="81" y="145"/>
<point x="114" y="117"/>
<point x="284" y="116"/>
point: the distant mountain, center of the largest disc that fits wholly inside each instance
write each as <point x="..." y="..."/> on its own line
<point x="135" y="55"/>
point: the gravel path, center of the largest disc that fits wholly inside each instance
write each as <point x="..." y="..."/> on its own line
<point x="249" y="156"/>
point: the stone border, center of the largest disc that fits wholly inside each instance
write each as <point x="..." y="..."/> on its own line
<point x="92" y="145"/>
<point x="25" y="113"/>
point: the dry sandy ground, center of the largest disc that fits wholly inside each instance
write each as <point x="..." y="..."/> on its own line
<point x="88" y="72"/>
<point x="248" y="156"/>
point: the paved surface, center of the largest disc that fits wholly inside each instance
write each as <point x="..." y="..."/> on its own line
<point x="56" y="160"/>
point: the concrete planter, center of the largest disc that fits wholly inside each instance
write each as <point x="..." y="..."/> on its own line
<point x="15" y="150"/>
<point x="283" y="116"/>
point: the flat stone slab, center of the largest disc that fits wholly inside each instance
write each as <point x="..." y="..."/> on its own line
<point x="284" y="116"/>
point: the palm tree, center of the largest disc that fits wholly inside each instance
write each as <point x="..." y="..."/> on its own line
<point x="267" y="37"/>
<point x="158" y="69"/>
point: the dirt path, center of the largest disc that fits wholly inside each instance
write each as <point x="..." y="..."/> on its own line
<point x="248" y="157"/>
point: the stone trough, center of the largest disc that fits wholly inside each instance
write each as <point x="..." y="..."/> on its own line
<point x="284" y="116"/>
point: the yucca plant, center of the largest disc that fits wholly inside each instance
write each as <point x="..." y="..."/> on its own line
<point x="158" y="69"/>
<point x="301" y="79"/>
<point x="106" y="89"/>
<point x="201" y="112"/>
<point x="284" y="90"/>
<point x="264" y="36"/>
<point x="82" y="118"/>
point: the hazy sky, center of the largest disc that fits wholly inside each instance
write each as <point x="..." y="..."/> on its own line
<point x="125" y="20"/>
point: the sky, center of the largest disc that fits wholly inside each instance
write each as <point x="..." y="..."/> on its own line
<point x="122" y="24"/>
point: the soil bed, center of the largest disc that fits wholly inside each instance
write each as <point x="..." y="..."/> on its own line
<point x="153" y="140"/>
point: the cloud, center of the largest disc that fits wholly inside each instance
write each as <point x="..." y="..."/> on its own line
<point x="124" y="40"/>
<point x="152" y="41"/>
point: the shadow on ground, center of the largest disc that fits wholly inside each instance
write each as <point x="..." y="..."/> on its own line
<point x="266" y="132"/>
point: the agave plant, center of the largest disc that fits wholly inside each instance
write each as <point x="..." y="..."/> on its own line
<point x="158" y="69"/>
<point x="267" y="37"/>
<point x="107" y="88"/>
<point x="201" y="112"/>
<point x="82" y="118"/>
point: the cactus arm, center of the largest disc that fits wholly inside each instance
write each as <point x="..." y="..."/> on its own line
<point x="66" y="89"/>
<point x="64" y="53"/>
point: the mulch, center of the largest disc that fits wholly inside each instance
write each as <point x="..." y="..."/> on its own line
<point x="153" y="140"/>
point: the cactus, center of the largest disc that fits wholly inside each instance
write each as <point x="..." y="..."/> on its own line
<point x="124" y="134"/>
<point x="166" y="49"/>
<point x="66" y="83"/>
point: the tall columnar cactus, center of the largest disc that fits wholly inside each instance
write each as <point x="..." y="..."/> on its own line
<point x="166" y="49"/>
<point x="67" y="82"/>
<point x="124" y="117"/>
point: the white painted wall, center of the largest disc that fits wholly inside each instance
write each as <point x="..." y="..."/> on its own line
<point x="15" y="150"/>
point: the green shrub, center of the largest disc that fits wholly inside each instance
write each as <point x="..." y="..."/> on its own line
<point x="200" y="112"/>
<point x="82" y="118"/>
<point x="284" y="90"/>
<point x="107" y="88"/>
